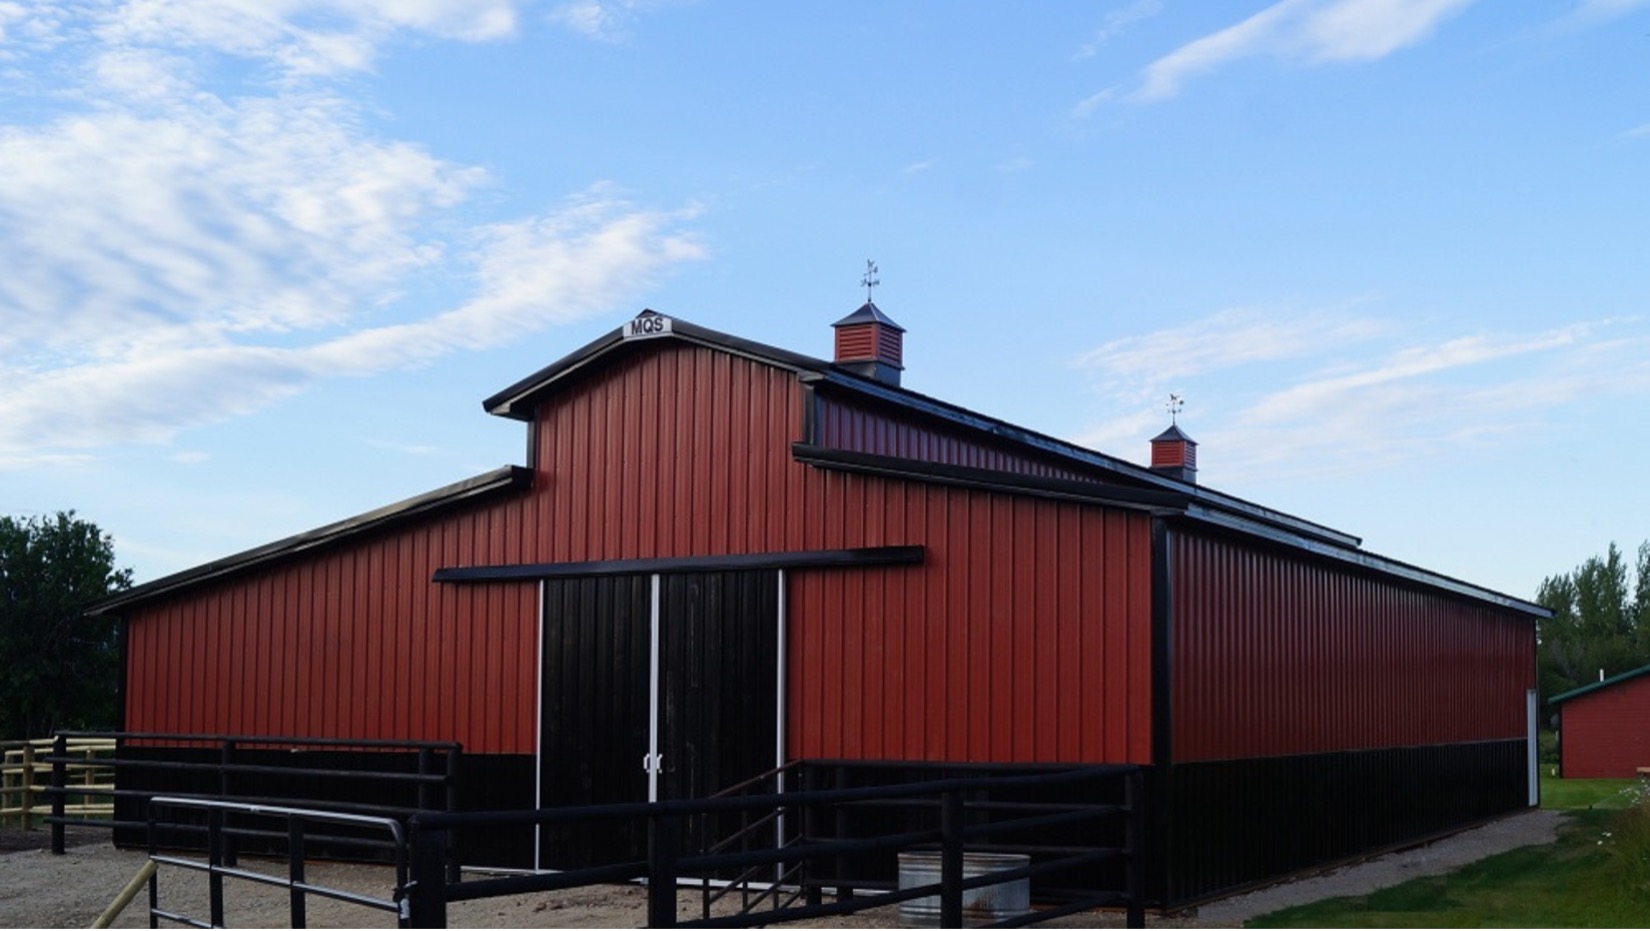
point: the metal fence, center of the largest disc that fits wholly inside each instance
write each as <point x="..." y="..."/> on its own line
<point x="293" y="824"/>
<point x="257" y="770"/>
<point x="797" y="859"/>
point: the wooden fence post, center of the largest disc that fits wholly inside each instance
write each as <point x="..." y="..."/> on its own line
<point x="28" y="786"/>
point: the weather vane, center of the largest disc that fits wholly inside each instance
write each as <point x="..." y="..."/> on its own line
<point x="1175" y="403"/>
<point x="870" y="280"/>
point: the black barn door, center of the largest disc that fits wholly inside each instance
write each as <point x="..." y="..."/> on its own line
<point x="594" y="719"/>
<point x="719" y="682"/>
<point x="716" y="721"/>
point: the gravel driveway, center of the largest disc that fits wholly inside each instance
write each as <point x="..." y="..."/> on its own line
<point x="41" y="890"/>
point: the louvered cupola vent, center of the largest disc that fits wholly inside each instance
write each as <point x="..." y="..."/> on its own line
<point x="870" y="344"/>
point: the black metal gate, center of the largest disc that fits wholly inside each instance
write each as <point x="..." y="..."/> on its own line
<point x="654" y="687"/>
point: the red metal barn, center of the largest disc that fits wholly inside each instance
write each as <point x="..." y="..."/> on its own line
<point x="714" y="537"/>
<point x="1604" y="728"/>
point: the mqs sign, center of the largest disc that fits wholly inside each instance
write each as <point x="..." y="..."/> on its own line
<point x="647" y="325"/>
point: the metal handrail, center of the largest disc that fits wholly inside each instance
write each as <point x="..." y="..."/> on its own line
<point x="215" y="868"/>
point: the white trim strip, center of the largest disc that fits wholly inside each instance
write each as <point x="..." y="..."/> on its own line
<point x="538" y="729"/>
<point x="653" y="762"/>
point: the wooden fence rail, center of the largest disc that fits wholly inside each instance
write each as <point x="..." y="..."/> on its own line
<point x="25" y="777"/>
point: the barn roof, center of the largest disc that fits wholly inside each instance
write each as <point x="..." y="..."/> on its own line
<point x="498" y="481"/>
<point x="1600" y="685"/>
<point x="1117" y="481"/>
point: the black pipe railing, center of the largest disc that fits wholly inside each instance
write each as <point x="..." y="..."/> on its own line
<point x="231" y="763"/>
<point x="667" y="862"/>
<point x="217" y="867"/>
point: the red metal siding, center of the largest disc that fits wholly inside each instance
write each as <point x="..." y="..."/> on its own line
<point x="1024" y="636"/>
<point x="353" y="642"/>
<point x="1606" y="734"/>
<point x="1275" y="654"/>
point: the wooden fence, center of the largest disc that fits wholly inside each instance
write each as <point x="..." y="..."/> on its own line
<point x="24" y="779"/>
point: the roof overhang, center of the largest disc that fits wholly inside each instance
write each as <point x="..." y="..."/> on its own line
<point x="499" y="481"/>
<point x="520" y="399"/>
<point x="1599" y="685"/>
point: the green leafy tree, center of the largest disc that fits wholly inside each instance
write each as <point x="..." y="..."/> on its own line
<point x="59" y="669"/>
<point x="1601" y="621"/>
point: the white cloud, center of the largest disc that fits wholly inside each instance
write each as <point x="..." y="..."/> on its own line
<point x="1303" y="30"/>
<point x="1148" y="366"/>
<point x="1115" y="23"/>
<point x="177" y="256"/>
<point x="1287" y="395"/>
<point x="303" y="37"/>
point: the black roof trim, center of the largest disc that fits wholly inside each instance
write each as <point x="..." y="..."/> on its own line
<point x="1364" y="559"/>
<point x="798" y="559"/>
<point x="1140" y="499"/>
<point x="869" y="313"/>
<point x="1597" y="686"/>
<point x="1120" y="467"/>
<point x="508" y="478"/>
<point x="518" y="400"/>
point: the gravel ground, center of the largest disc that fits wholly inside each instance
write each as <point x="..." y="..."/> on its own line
<point x="42" y="890"/>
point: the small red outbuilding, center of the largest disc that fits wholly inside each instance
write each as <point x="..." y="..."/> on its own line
<point x="1604" y="728"/>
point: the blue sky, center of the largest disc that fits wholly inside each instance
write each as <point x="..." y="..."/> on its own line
<point x="264" y="258"/>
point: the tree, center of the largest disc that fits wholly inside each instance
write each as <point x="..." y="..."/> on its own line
<point x="59" y="669"/>
<point x="1600" y="621"/>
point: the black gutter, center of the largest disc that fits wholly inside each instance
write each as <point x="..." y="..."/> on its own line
<point x="800" y="559"/>
<point x="1121" y="496"/>
<point x="498" y="481"/>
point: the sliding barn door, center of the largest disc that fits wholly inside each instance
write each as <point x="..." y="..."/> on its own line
<point x="654" y="687"/>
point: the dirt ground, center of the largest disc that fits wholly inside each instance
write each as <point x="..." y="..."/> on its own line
<point x="42" y="890"/>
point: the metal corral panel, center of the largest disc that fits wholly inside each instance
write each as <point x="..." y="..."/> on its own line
<point x="1275" y="653"/>
<point x="1605" y="734"/>
<point x="1024" y="635"/>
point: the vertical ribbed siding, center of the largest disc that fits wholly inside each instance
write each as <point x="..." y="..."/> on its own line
<point x="1240" y="822"/>
<point x="1024" y="636"/>
<point x="1274" y="654"/>
<point x="1606" y="734"/>
<point x="846" y="424"/>
<point x="354" y="642"/>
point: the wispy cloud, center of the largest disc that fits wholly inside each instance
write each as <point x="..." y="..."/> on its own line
<point x="1115" y="23"/>
<point x="1291" y="394"/>
<point x="603" y="20"/>
<point x="1312" y="31"/>
<point x="178" y="255"/>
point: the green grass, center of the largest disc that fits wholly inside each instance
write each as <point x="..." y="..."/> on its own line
<point x="1597" y="875"/>
<point x="1584" y="793"/>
